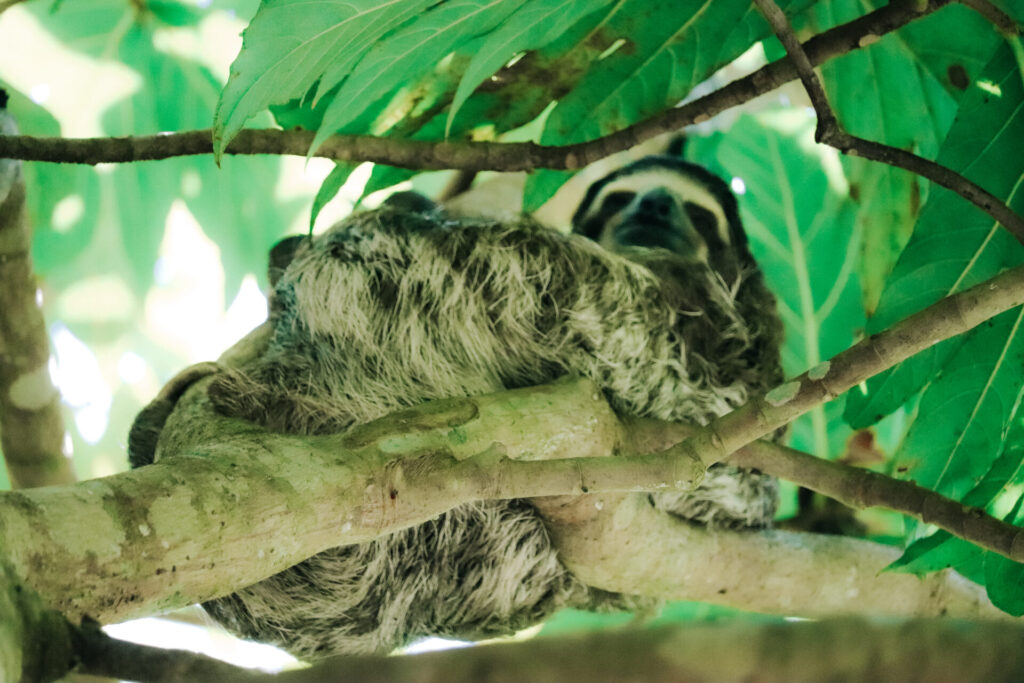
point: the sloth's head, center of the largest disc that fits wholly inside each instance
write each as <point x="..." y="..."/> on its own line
<point x="664" y="202"/>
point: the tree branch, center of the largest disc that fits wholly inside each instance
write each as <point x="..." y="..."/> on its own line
<point x="288" y="495"/>
<point x="775" y="572"/>
<point x="98" y="654"/>
<point x="475" y="156"/>
<point x="31" y="424"/>
<point x="948" y="317"/>
<point x="830" y="133"/>
<point x="1003" y="22"/>
<point x="851" y="650"/>
<point x="858" y="488"/>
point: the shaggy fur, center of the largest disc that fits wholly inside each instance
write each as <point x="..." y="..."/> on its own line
<point x="399" y="306"/>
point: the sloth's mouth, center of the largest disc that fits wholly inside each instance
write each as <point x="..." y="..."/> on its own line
<point x="654" y="234"/>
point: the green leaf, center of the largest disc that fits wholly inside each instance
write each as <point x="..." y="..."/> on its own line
<point x="329" y="188"/>
<point x="411" y="51"/>
<point x="922" y="68"/>
<point x="290" y="45"/>
<point x="965" y="412"/>
<point x="941" y="551"/>
<point x="1004" y="578"/>
<point x="1005" y="473"/>
<point x="383" y="177"/>
<point x="542" y="186"/>
<point x="954" y="245"/>
<point x="534" y="26"/>
<point x="174" y="13"/>
<point x="1004" y="583"/>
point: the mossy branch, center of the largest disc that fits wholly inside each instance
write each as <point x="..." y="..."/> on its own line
<point x="31" y="424"/>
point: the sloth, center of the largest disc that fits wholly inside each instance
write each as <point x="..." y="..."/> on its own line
<point x="655" y="297"/>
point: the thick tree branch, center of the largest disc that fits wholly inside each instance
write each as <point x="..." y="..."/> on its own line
<point x="831" y="133"/>
<point x="31" y="424"/>
<point x="478" y="156"/>
<point x="776" y="572"/>
<point x="237" y="504"/>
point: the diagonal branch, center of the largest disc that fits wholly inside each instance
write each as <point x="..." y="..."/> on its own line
<point x="1003" y="22"/>
<point x="948" y="317"/>
<point x="858" y="488"/>
<point x="831" y="133"/>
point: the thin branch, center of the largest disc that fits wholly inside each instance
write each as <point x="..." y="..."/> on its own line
<point x="948" y="317"/>
<point x="7" y="4"/>
<point x="31" y="424"/>
<point x="831" y="133"/>
<point x="852" y="486"/>
<point x="100" y="655"/>
<point x="528" y="156"/>
<point x="476" y="156"/>
<point x="859" y="488"/>
<point x="1003" y="22"/>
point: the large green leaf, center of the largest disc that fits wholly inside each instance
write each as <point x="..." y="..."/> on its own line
<point x="290" y="45"/>
<point x="664" y="49"/>
<point x="954" y="245"/>
<point x="534" y="26"/>
<point x="802" y="232"/>
<point x="130" y="203"/>
<point x="411" y="51"/>
<point x="922" y="68"/>
<point x="942" y="549"/>
<point x="964" y="414"/>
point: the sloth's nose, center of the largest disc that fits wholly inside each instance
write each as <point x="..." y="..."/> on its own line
<point x="657" y="204"/>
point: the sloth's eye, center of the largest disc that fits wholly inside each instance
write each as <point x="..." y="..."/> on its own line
<point x="616" y="201"/>
<point x="706" y="225"/>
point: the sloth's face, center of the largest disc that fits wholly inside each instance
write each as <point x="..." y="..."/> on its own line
<point x="656" y="209"/>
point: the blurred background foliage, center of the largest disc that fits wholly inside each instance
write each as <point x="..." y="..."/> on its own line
<point x="145" y="268"/>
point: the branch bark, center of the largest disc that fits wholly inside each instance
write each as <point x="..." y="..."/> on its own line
<point x="776" y="572"/>
<point x="31" y="424"/>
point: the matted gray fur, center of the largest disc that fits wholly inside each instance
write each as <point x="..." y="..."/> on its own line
<point x="394" y="307"/>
